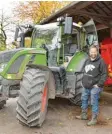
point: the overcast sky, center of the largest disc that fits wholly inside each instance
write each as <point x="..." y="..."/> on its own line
<point x="6" y="5"/>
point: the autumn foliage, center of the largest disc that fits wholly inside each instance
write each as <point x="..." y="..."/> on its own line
<point x="36" y="11"/>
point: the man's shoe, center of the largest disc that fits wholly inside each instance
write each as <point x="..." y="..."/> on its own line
<point x="93" y="121"/>
<point x="83" y="116"/>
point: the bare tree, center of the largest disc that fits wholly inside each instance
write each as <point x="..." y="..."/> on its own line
<point x="5" y="21"/>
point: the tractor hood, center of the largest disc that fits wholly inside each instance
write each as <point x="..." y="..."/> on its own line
<point x="5" y="56"/>
<point x="13" y="62"/>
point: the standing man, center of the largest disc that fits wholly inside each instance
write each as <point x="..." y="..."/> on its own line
<point x="95" y="74"/>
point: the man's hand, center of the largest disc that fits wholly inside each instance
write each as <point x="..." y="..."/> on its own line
<point x="95" y="86"/>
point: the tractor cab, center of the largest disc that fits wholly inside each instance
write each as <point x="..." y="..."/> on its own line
<point x="63" y="39"/>
<point x="57" y="44"/>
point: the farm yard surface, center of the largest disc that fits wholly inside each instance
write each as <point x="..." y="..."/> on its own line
<point x="60" y="119"/>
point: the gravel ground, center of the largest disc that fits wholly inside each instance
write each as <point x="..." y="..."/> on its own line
<point x="60" y="119"/>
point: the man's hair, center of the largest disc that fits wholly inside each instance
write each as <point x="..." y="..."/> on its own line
<point x="93" y="46"/>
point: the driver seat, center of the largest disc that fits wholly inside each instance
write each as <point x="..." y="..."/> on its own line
<point x="73" y="49"/>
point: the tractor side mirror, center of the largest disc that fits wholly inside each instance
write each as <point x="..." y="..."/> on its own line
<point x="68" y="25"/>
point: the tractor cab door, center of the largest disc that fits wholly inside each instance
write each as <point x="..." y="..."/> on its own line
<point x="91" y="33"/>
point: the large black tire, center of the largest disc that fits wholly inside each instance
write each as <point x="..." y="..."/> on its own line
<point x="3" y="97"/>
<point x="78" y="90"/>
<point x="30" y="108"/>
<point x="2" y="103"/>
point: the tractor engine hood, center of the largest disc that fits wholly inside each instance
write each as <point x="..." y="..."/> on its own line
<point x="5" y="56"/>
<point x="14" y="62"/>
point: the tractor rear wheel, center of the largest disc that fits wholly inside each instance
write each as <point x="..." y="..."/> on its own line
<point x="78" y="90"/>
<point x="33" y="98"/>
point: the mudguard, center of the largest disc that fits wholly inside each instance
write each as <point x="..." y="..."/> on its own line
<point x="77" y="62"/>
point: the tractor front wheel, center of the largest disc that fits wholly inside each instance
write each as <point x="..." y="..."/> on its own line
<point x="33" y="98"/>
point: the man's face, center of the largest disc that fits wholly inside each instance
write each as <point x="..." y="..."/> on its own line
<point x="93" y="53"/>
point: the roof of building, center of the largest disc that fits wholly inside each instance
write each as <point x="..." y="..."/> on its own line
<point x="100" y="11"/>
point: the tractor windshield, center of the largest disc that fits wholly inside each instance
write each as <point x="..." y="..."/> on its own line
<point x="45" y="34"/>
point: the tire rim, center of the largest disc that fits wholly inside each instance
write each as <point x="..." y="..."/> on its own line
<point x="44" y="98"/>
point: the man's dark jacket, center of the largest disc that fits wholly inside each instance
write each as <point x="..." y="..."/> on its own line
<point x="95" y="73"/>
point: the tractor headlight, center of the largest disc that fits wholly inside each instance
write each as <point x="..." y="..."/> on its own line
<point x="2" y="66"/>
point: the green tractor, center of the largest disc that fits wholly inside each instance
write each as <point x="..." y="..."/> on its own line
<point x="51" y="67"/>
